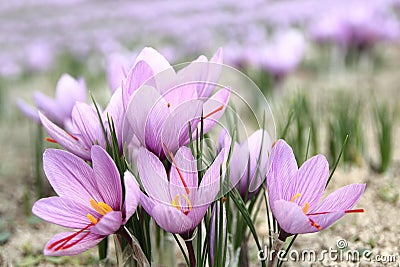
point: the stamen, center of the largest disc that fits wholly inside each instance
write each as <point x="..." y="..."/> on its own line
<point x="100" y="207"/>
<point x="306" y="208"/>
<point x="188" y="202"/>
<point x="51" y="140"/>
<point x="176" y="166"/>
<point x="175" y="203"/>
<point x="294" y="197"/>
<point x="91" y="218"/>
<point x="213" y="112"/>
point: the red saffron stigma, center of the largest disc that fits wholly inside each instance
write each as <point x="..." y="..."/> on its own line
<point x="63" y="243"/>
<point x="76" y="138"/>
<point x="327" y="212"/>
<point x="179" y="171"/>
<point x="316" y="225"/>
<point x="213" y="112"/>
<point x="51" y="140"/>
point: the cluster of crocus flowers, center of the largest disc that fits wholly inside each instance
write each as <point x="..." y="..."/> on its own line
<point x="294" y="193"/>
<point x="89" y="199"/>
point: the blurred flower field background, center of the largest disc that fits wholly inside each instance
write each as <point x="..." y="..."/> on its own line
<point x="329" y="69"/>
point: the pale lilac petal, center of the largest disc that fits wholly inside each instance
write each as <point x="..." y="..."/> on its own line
<point x="171" y="219"/>
<point x="107" y="178"/>
<point x="310" y="181"/>
<point x="117" y="68"/>
<point x="291" y="218"/>
<point x="49" y="107"/>
<point x="210" y="184"/>
<point x="175" y="131"/>
<point x="86" y="243"/>
<point x="69" y="91"/>
<point x="239" y="167"/>
<point x="184" y="90"/>
<point x="259" y="144"/>
<point x="188" y="169"/>
<point x="148" y="203"/>
<point x="64" y="139"/>
<point x="137" y="76"/>
<point x="153" y="176"/>
<point x="162" y="70"/>
<point x="62" y="211"/>
<point x="132" y="195"/>
<point x="340" y="200"/>
<point x="154" y="126"/>
<point x="87" y="122"/>
<point x="214" y="108"/>
<point x="282" y="169"/>
<point x="108" y="224"/>
<point x="70" y="176"/>
<point x="138" y="111"/>
<point x="28" y="110"/>
<point x="116" y="112"/>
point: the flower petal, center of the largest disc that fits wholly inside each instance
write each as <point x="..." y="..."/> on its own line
<point x="108" y="224"/>
<point x="138" y="111"/>
<point x="62" y="211"/>
<point x="188" y="169"/>
<point x="107" y="178"/>
<point x="291" y="218"/>
<point x="87" y="123"/>
<point x="49" y="107"/>
<point x="70" y="176"/>
<point x="64" y="139"/>
<point x="171" y="219"/>
<point x="116" y="112"/>
<point x="89" y="241"/>
<point x="281" y="170"/>
<point x="210" y="184"/>
<point x="137" y="76"/>
<point x="69" y="91"/>
<point x="28" y="110"/>
<point x="117" y="68"/>
<point x="310" y="181"/>
<point x="153" y="176"/>
<point x="214" y="108"/>
<point x="132" y="195"/>
<point x="342" y="199"/>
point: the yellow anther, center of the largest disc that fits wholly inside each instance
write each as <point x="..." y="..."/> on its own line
<point x="306" y="208"/>
<point x="175" y="203"/>
<point x="91" y="218"/>
<point x="100" y="207"/>
<point x="188" y="201"/>
<point x="294" y="197"/>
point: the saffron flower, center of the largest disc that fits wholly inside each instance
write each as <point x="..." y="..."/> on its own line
<point x="162" y="106"/>
<point x="59" y="109"/>
<point x="177" y="202"/>
<point x="249" y="160"/>
<point x="88" y="199"/>
<point x="86" y="128"/>
<point x="294" y="194"/>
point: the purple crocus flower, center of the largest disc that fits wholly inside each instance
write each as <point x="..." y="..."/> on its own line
<point x="85" y="129"/>
<point x="117" y="69"/>
<point x="59" y="109"/>
<point x="294" y="194"/>
<point x="248" y="164"/>
<point x="177" y="202"/>
<point x="89" y="199"/>
<point x="159" y="111"/>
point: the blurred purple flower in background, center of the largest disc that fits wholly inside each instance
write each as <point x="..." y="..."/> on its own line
<point x="294" y="194"/>
<point x="89" y="199"/>
<point x="68" y="91"/>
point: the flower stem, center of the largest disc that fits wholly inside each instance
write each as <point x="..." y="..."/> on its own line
<point x="190" y="249"/>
